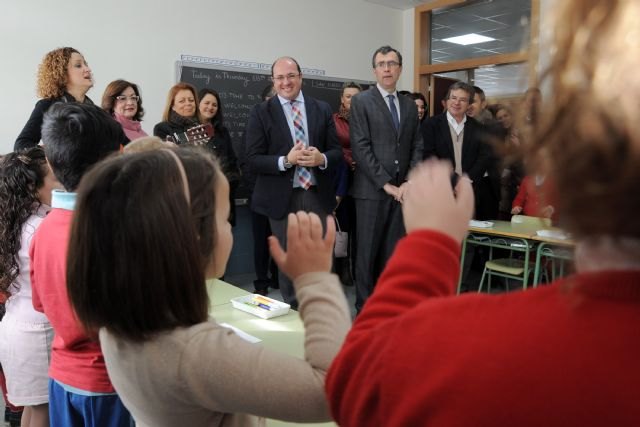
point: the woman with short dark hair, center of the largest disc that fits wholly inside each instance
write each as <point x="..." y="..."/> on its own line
<point x="122" y="100"/>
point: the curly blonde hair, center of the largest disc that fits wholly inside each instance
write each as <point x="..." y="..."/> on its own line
<point x="52" y="72"/>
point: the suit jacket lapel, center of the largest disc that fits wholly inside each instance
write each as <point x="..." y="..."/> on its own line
<point x="445" y="134"/>
<point x="383" y="106"/>
<point x="278" y="117"/>
<point x="467" y="140"/>
<point x="404" y="112"/>
<point x="310" y="108"/>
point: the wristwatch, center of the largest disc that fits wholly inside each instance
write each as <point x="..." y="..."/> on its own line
<point x="287" y="165"/>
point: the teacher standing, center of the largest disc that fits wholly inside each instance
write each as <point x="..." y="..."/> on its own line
<point x="63" y="76"/>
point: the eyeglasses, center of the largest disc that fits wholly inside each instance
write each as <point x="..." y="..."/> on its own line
<point x="125" y="98"/>
<point x="462" y="100"/>
<point x="288" y="77"/>
<point x="387" y="64"/>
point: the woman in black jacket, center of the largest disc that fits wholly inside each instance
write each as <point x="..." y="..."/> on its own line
<point x="180" y="112"/>
<point x="63" y="76"/>
<point x="210" y="111"/>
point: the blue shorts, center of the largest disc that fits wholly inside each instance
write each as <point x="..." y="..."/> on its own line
<point x="70" y="409"/>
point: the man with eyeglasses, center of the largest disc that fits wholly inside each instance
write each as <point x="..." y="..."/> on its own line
<point x="386" y="142"/>
<point x="293" y="148"/>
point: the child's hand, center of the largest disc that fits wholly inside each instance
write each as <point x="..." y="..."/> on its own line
<point x="429" y="202"/>
<point x="516" y="210"/>
<point x="307" y="251"/>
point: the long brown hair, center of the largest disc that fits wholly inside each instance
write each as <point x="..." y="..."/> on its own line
<point x="22" y="174"/>
<point x="138" y="250"/>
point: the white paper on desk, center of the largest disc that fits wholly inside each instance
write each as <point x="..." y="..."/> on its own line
<point x="553" y="234"/>
<point x="242" y="334"/>
<point x="480" y="224"/>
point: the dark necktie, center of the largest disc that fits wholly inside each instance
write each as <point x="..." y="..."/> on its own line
<point x="394" y="112"/>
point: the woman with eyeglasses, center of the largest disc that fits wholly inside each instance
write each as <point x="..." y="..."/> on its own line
<point x="63" y="76"/>
<point x="25" y="334"/>
<point x="210" y="111"/>
<point x="180" y="113"/>
<point x="122" y="100"/>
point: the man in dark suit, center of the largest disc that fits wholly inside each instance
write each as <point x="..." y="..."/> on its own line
<point x="386" y="142"/>
<point x="453" y="136"/>
<point x="293" y="148"/>
<point x="460" y="139"/>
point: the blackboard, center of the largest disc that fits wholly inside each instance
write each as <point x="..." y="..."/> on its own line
<point x="240" y="90"/>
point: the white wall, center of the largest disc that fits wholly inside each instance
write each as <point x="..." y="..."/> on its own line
<point x="140" y="41"/>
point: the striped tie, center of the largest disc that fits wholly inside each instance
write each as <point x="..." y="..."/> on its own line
<point x="304" y="175"/>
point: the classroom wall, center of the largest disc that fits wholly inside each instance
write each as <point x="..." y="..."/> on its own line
<point x="141" y="40"/>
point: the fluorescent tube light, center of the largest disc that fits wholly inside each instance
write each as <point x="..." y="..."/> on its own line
<point x="467" y="39"/>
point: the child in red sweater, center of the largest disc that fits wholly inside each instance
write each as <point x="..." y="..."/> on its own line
<point x="532" y="198"/>
<point x="560" y="355"/>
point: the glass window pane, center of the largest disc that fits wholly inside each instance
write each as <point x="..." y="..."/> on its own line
<point x="504" y="21"/>
<point x="502" y="80"/>
<point x="495" y="80"/>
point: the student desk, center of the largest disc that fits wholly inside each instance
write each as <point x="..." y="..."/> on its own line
<point x="221" y="292"/>
<point x="546" y="248"/>
<point x="525" y="238"/>
<point x="518" y="234"/>
<point x="284" y="334"/>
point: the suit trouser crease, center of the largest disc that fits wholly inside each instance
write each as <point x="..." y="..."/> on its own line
<point x="379" y="228"/>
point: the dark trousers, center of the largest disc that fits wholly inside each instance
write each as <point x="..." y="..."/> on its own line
<point x="379" y="227"/>
<point x="262" y="261"/>
<point x="301" y="200"/>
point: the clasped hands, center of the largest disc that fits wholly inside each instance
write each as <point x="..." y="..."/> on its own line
<point x="305" y="156"/>
<point x="394" y="191"/>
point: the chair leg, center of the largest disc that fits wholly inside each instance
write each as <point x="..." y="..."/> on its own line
<point x="484" y="272"/>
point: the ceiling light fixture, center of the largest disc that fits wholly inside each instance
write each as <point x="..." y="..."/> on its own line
<point x="468" y="39"/>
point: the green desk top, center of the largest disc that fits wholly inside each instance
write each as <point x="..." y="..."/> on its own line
<point x="284" y="333"/>
<point x="510" y="229"/>
<point x="221" y="292"/>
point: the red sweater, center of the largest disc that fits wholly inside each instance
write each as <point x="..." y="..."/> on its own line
<point x="529" y="197"/>
<point x="76" y="360"/>
<point x="342" y="130"/>
<point x="559" y="355"/>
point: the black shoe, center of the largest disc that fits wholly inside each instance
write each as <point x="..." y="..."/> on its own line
<point x="274" y="284"/>
<point x="262" y="292"/>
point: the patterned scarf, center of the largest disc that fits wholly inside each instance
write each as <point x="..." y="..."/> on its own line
<point x="185" y="122"/>
<point x="344" y="112"/>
